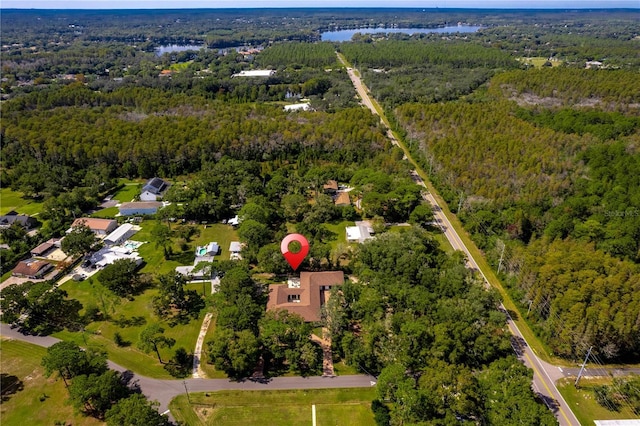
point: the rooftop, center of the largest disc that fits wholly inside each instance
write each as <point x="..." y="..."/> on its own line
<point x="254" y="73"/>
<point x="141" y="205"/>
<point x="94" y="224"/>
<point x="31" y="267"/>
<point x="307" y="299"/>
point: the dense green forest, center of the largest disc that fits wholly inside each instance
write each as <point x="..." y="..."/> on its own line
<point x="434" y="334"/>
<point x="560" y="175"/>
<point x="425" y="71"/>
<point x="541" y="165"/>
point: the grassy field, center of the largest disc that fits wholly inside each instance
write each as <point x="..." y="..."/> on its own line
<point x="36" y="400"/>
<point x="108" y="213"/>
<point x="12" y="200"/>
<point x="584" y="405"/>
<point x="539" y="61"/>
<point x="101" y="333"/>
<point x="154" y="256"/>
<point x="128" y="192"/>
<point x="279" y="407"/>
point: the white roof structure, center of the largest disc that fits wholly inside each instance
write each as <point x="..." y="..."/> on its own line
<point x="298" y="107"/>
<point x="188" y="271"/>
<point x="107" y="255"/>
<point x="254" y="73"/>
<point x="235" y="247"/>
<point x="630" y="422"/>
<point x="360" y="233"/>
<point x="122" y="233"/>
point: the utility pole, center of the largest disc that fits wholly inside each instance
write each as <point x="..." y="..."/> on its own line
<point x="583" y="365"/>
<point x="501" y="256"/>
<point x="187" y="390"/>
<point x="460" y="202"/>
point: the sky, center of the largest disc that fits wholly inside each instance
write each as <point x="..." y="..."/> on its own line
<point x="185" y="4"/>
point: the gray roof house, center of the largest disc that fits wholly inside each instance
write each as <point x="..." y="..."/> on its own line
<point x="139" y="208"/>
<point x="27" y="222"/>
<point x="153" y="189"/>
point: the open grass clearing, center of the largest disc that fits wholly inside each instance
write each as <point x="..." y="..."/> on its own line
<point x="539" y="61"/>
<point x="129" y="191"/>
<point x="14" y="200"/>
<point x="277" y="407"/>
<point x="583" y="402"/>
<point x="139" y="311"/>
<point x="108" y="213"/>
<point x="28" y="397"/>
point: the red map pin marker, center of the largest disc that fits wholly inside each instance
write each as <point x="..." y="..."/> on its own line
<point x="294" y="259"/>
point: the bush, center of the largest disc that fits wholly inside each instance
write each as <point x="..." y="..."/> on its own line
<point x="380" y="413"/>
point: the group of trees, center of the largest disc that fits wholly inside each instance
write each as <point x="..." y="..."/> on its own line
<point x="97" y="391"/>
<point x="434" y="336"/>
<point x="623" y="392"/>
<point x="521" y="177"/>
<point x="424" y="71"/>
<point x="40" y="308"/>
<point x="245" y="334"/>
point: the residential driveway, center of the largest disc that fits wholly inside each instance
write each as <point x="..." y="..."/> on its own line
<point x="17" y="280"/>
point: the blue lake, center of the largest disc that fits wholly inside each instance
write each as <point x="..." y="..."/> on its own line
<point x="176" y="48"/>
<point x="345" y="35"/>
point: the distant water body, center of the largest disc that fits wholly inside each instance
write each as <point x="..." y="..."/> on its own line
<point x="170" y="48"/>
<point x="345" y="35"/>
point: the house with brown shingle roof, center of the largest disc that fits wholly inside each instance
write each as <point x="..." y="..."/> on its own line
<point x="331" y="187"/>
<point x="31" y="268"/>
<point x="43" y="249"/>
<point x="98" y="226"/>
<point x="342" y="199"/>
<point x="307" y="298"/>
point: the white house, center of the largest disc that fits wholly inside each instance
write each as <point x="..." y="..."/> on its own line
<point x="234" y="249"/>
<point x="153" y="189"/>
<point x="120" y="235"/>
<point x="254" y="73"/>
<point x="359" y="233"/>
<point x="298" y="107"/>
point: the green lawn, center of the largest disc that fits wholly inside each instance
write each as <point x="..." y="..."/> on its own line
<point x="100" y="333"/>
<point x="538" y="61"/>
<point x="154" y="256"/>
<point x="108" y="213"/>
<point x="583" y="403"/>
<point x="38" y="400"/>
<point x="129" y="191"/>
<point x="13" y="200"/>
<point x="277" y="407"/>
<point x="444" y="243"/>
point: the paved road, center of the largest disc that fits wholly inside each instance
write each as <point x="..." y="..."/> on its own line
<point x="543" y="382"/>
<point x="164" y="391"/>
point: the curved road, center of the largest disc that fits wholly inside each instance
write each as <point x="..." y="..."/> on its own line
<point x="164" y="391"/>
<point x="545" y="375"/>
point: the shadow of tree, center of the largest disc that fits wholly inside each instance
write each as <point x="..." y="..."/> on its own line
<point x="9" y="385"/>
